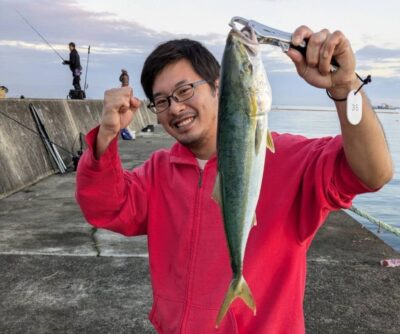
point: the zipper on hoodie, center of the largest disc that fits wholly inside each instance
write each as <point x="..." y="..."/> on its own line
<point x="200" y="178"/>
<point x="186" y="308"/>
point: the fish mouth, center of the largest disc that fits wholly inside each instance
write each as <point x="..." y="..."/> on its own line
<point x="248" y="37"/>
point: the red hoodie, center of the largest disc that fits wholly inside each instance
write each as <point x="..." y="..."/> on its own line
<point x="169" y="199"/>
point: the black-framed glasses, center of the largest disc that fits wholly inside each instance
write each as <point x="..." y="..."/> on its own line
<point x="180" y="94"/>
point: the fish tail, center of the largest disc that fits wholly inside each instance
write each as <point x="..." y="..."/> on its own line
<point x="237" y="289"/>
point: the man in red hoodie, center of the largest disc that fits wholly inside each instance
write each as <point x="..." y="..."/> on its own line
<point x="169" y="196"/>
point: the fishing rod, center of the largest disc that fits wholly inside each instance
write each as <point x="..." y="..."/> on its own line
<point x="87" y="66"/>
<point x="75" y="157"/>
<point x="40" y="35"/>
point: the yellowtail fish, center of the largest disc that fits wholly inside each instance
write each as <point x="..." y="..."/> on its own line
<point x="243" y="136"/>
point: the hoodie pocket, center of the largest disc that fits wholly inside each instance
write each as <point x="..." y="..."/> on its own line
<point x="166" y="315"/>
<point x="202" y="321"/>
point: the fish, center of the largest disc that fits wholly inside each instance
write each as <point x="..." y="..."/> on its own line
<point x="243" y="137"/>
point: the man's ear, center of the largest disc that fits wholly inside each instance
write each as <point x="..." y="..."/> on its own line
<point x="216" y="88"/>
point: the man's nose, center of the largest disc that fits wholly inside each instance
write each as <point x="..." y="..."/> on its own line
<point x="176" y="107"/>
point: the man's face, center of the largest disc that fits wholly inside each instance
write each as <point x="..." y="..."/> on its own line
<point x="194" y="121"/>
<point x="70" y="47"/>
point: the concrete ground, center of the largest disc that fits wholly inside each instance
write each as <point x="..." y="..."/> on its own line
<point x="60" y="275"/>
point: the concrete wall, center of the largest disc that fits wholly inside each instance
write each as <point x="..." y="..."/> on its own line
<point x="23" y="156"/>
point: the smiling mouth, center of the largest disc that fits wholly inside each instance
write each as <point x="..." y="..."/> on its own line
<point x="184" y="122"/>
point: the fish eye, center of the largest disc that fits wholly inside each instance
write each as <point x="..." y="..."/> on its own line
<point x="249" y="67"/>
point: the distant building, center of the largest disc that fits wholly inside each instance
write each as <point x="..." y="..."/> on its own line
<point x="385" y="106"/>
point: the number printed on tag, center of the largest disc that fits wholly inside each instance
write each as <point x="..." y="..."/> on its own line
<point x="354" y="107"/>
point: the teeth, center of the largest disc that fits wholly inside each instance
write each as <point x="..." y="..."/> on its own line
<point x="185" y="122"/>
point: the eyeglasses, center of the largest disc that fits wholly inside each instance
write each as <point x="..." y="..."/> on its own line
<point x="180" y="94"/>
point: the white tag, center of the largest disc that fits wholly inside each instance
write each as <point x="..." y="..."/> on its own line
<point x="354" y="107"/>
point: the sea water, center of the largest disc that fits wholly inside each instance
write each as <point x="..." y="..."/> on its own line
<point x="314" y="122"/>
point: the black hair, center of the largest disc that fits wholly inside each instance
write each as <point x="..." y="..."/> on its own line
<point x="202" y="60"/>
<point x="72" y="44"/>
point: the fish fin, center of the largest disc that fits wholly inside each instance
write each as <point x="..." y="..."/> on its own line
<point x="216" y="194"/>
<point x="258" y="137"/>
<point x="254" y="221"/>
<point x="237" y="289"/>
<point x="270" y="142"/>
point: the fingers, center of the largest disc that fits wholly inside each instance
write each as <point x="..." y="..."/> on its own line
<point x="322" y="46"/>
<point x="301" y="34"/>
<point x="314" y="46"/>
<point x="135" y="102"/>
<point x="335" y="46"/>
<point x="299" y="61"/>
<point x="120" y="100"/>
<point x="126" y="93"/>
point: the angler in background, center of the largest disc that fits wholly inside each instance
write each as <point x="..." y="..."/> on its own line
<point x="75" y="66"/>
<point x="124" y="79"/>
<point x="3" y="92"/>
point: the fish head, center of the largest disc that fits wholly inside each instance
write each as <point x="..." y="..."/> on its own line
<point x="243" y="67"/>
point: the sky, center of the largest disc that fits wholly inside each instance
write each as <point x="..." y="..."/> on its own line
<point x="122" y="33"/>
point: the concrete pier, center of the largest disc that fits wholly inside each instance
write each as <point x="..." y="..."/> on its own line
<point x="59" y="275"/>
<point x="23" y="156"/>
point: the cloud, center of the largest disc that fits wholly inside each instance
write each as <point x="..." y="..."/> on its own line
<point x="377" y="53"/>
<point x="385" y="68"/>
<point x="379" y="62"/>
<point x="34" y="70"/>
<point x="28" y="66"/>
<point x="63" y="21"/>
